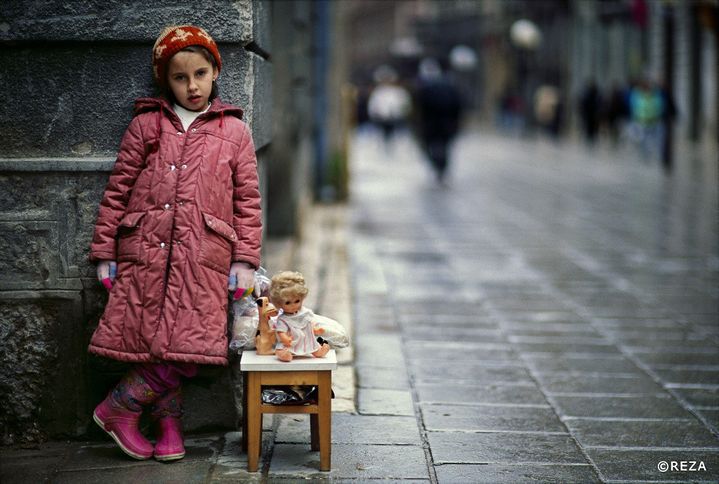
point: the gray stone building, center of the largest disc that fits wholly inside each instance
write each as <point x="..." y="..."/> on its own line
<point x="71" y="72"/>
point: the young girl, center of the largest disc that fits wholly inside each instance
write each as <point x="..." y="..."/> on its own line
<point x="180" y="215"/>
<point x="294" y="324"/>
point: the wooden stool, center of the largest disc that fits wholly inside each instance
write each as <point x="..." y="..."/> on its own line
<point x="267" y="370"/>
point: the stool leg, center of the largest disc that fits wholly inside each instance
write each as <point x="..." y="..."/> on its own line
<point x="244" y="411"/>
<point x="314" y="434"/>
<point x="254" y="420"/>
<point x="325" y="419"/>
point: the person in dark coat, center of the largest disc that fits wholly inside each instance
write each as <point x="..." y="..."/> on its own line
<point x="440" y="107"/>
<point x="590" y="106"/>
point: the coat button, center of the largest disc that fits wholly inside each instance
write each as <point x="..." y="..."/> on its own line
<point x="162" y="245"/>
<point x="194" y="129"/>
<point x="183" y="166"/>
<point x="167" y="206"/>
<point x="173" y="167"/>
<point x="180" y="203"/>
<point x="179" y="133"/>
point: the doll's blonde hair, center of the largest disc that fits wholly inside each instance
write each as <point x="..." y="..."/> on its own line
<point x="287" y="284"/>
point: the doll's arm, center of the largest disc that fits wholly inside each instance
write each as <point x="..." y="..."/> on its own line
<point x="316" y="329"/>
<point x="284" y="338"/>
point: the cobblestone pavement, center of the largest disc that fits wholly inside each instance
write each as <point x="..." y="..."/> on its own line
<point x="551" y="315"/>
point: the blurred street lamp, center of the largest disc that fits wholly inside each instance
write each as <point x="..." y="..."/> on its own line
<point x="462" y="58"/>
<point x="406" y="47"/>
<point x="525" y="34"/>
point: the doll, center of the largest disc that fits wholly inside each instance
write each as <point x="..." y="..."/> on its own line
<point x="294" y="324"/>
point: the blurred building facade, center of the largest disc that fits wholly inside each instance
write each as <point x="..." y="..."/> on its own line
<point x="563" y="44"/>
<point x="671" y="42"/>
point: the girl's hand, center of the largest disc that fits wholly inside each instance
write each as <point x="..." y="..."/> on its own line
<point x="106" y="272"/>
<point x="242" y="276"/>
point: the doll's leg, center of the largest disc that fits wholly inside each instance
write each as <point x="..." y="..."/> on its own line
<point x="283" y="354"/>
<point x="320" y="353"/>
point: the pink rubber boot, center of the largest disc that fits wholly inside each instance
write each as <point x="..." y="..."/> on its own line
<point x="119" y="414"/>
<point x="167" y="413"/>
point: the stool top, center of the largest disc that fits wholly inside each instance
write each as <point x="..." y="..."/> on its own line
<point x="251" y="361"/>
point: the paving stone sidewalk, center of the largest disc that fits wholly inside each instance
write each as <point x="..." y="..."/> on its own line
<point x="555" y="310"/>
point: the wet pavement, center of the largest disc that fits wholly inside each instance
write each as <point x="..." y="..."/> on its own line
<point x="555" y="310"/>
<point x="549" y="316"/>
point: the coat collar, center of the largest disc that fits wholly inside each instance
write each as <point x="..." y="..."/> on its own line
<point x="218" y="108"/>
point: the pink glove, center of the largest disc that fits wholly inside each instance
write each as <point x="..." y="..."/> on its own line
<point x="106" y="272"/>
<point x="242" y="279"/>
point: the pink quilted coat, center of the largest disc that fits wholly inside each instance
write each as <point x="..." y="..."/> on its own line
<point x="178" y="209"/>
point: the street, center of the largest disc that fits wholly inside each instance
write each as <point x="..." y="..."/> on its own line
<point x="555" y="311"/>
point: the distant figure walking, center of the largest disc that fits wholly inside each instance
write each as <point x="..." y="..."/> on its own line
<point x="616" y="111"/>
<point x="440" y="108"/>
<point x="590" y="107"/>
<point x="647" y="108"/>
<point x="548" y="109"/>
<point x="389" y="103"/>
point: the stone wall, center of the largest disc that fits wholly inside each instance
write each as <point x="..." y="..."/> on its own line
<point x="71" y="72"/>
<point x="291" y="151"/>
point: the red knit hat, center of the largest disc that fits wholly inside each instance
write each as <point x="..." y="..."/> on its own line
<point x="174" y="39"/>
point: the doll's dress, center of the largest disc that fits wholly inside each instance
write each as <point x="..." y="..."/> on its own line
<point x="299" y="328"/>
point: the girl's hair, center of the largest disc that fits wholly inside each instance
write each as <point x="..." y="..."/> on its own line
<point x="204" y="52"/>
<point x="287" y="284"/>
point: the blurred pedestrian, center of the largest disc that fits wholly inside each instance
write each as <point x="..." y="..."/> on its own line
<point x="440" y="107"/>
<point x="511" y="111"/>
<point x="547" y="109"/>
<point x="362" y="113"/>
<point x="590" y="105"/>
<point x="646" y="107"/>
<point x="389" y="104"/>
<point x="669" y="113"/>
<point x="616" y="111"/>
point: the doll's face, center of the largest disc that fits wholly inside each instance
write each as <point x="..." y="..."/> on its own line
<point x="291" y="304"/>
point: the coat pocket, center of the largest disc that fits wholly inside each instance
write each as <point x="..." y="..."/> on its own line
<point x="129" y="237"/>
<point x="216" y="244"/>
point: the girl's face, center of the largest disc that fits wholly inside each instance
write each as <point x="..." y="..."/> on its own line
<point x="291" y="304"/>
<point x="190" y="78"/>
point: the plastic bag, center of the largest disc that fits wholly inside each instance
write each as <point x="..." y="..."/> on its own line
<point x="245" y="316"/>
<point x="291" y="395"/>
<point x="335" y="334"/>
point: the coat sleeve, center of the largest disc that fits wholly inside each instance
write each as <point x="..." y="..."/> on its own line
<point x="247" y="210"/>
<point x="129" y="164"/>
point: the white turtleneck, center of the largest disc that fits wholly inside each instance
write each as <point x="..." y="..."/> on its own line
<point x="186" y="116"/>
